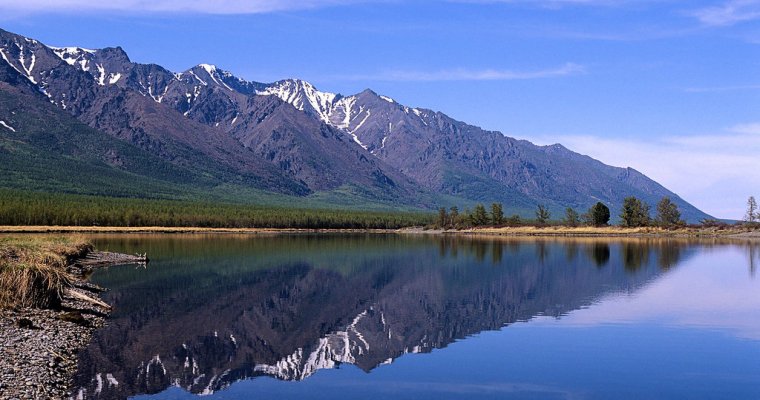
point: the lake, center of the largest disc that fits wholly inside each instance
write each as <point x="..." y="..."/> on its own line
<point x="386" y="316"/>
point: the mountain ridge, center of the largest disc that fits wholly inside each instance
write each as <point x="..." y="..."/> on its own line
<point x="291" y="138"/>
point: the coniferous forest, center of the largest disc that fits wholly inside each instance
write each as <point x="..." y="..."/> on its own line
<point x="30" y="208"/>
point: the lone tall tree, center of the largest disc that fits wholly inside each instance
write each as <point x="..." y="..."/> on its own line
<point x="443" y="218"/>
<point x="571" y="217"/>
<point x="667" y="212"/>
<point x="635" y="213"/>
<point x="497" y="214"/>
<point x="454" y="216"/>
<point x="752" y="213"/>
<point x="600" y="214"/>
<point x="542" y="214"/>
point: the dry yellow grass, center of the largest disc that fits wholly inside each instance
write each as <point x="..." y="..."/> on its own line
<point x="33" y="269"/>
<point x="606" y="231"/>
<point x="514" y="231"/>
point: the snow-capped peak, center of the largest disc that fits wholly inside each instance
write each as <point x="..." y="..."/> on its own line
<point x="73" y="55"/>
<point x="71" y="50"/>
<point x="210" y="68"/>
<point x="213" y="73"/>
<point x="304" y="96"/>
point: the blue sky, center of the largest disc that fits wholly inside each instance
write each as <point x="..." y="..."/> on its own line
<point x="669" y="87"/>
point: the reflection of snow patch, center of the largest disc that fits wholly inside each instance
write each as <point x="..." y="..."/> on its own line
<point x="337" y="347"/>
<point x="156" y="361"/>
<point x="111" y="380"/>
<point x="99" y="386"/>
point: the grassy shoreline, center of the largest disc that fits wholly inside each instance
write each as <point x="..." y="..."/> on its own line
<point x="548" y="231"/>
<point x="617" y="231"/>
<point x="33" y="269"/>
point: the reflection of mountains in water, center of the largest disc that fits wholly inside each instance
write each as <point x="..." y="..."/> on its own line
<point x="210" y="312"/>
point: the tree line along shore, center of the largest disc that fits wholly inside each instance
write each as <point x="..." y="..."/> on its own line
<point x="634" y="214"/>
<point x="28" y="211"/>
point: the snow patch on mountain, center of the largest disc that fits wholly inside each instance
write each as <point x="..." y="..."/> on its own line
<point x="209" y="68"/>
<point x="12" y="129"/>
<point x="28" y="69"/>
<point x="2" y="54"/>
<point x="202" y="82"/>
<point x="345" y="106"/>
<point x="215" y="74"/>
<point x="113" y="78"/>
<point x="303" y="95"/>
<point x="74" y="55"/>
<point x="101" y="78"/>
<point x="349" y="113"/>
<point x="25" y="70"/>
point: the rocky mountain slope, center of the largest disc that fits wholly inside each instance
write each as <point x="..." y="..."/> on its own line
<point x="288" y="137"/>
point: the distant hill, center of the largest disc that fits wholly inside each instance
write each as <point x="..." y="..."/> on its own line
<point x="131" y="129"/>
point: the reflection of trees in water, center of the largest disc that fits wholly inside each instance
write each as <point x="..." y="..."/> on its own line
<point x="514" y="247"/>
<point x="478" y="248"/>
<point x="599" y="253"/>
<point x="753" y="252"/>
<point x="634" y="255"/>
<point x="668" y="255"/>
<point x="571" y="251"/>
<point x="541" y="252"/>
<point x="497" y="251"/>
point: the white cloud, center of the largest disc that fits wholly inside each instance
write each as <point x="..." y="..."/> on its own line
<point x="729" y="13"/>
<point x="168" y="6"/>
<point x="462" y="74"/>
<point x="716" y="173"/>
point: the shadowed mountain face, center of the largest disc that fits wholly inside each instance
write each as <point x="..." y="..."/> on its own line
<point x="455" y="158"/>
<point x="196" y="119"/>
<point x="81" y="89"/>
<point x="212" y="310"/>
<point x="291" y="138"/>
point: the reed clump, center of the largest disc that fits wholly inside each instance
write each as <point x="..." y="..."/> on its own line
<point x="33" y="269"/>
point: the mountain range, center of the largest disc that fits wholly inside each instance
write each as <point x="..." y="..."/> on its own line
<point x="94" y="122"/>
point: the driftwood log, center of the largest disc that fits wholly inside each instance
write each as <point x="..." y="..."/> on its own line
<point x="80" y="296"/>
<point x="96" y="259"/>
<point x="106" y="258"/>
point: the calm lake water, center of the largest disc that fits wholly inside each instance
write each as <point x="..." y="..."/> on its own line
<point x="417" y="317"/>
